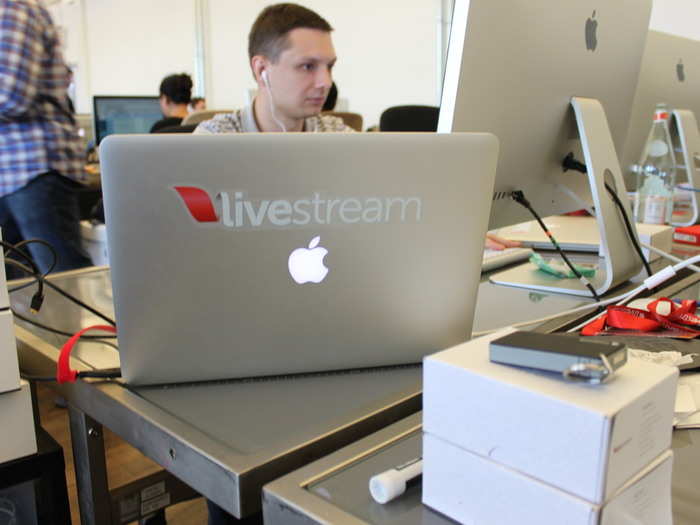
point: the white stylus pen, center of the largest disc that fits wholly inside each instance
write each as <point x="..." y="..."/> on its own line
<point x="392" y="483"/>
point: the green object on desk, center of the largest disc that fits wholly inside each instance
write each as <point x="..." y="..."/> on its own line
<point x="559" y="269"/>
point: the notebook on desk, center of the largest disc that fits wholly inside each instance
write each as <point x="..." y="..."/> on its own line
<point x="265" y="254"/>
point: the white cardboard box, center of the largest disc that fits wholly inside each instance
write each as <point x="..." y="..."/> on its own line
<point x="476" y="491"/>
<point x="9" y="365"/>
<point x="18" y="438"/>
<point x="585" y="439"/>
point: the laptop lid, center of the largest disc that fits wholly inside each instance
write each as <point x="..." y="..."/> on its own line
<point x="265" y="254"/>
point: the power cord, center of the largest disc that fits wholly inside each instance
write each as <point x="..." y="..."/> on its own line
<point x="64" y="372"/>
<point x="670" y="257"/>
<point x="107" y="373"/>
<point x="649" y="284"/>
<point x="570" y="163"/>
<point x="60" y="332"/>
<point x="519" y="197"/>
<point x="40" y="279"/>
<point x="38" y="298"/>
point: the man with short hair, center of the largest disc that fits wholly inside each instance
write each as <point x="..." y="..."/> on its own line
<point x="292" y="57"/>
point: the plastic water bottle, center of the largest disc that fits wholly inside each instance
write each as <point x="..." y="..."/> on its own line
<point x="656" y="174"/>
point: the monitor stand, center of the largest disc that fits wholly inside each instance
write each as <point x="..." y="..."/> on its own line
<point x="687" y="137"/>
<point x="618" y="261"/>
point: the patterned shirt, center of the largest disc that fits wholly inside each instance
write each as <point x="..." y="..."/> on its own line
<point x="243" y="121"/>
<point x="38" y="132"/>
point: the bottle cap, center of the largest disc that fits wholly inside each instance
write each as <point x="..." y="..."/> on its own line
<point x="386" y="486"/>
<point x="660" y="114"/>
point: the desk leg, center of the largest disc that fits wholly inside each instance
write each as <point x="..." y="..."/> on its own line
<point x="90" y="468"/>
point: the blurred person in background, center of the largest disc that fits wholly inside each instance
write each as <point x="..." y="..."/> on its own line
<point x="41" y="154"/>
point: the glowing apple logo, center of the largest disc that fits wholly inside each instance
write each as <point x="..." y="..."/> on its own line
<point x="306" y="264"/>
<point x="591" y="37"/>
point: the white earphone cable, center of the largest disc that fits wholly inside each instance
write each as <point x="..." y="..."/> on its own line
<point x="266" y="81"/>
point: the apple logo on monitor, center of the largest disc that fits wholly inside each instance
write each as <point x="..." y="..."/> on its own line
<point x="591" y="37"/>
<point x="680" y="71"/>
<point x="306" y="264"/>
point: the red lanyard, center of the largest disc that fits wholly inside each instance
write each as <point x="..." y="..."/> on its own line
<point x="64" y="373"/>
<point x="681" y="320"/>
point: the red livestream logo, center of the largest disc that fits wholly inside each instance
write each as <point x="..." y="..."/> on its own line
<point x="198" y="203"/>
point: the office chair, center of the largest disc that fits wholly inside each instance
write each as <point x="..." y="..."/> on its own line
<point x="354" y="120"/>
<point x="205" y="114"/>
<point x="409" y="118"/>
<point x="178" y="129"/>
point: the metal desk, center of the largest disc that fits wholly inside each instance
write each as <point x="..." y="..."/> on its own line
<point x="335" y="488"/>
<point x="225" y="440"/>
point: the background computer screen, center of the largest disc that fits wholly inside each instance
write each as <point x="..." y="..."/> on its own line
<point x="513" y="67"/>
<point x="124" y="115"/>
<point x="670" y="73"/>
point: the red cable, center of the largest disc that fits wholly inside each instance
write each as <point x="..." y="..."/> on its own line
<point x="64" y="373"/>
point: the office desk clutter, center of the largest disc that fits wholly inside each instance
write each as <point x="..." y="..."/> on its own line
<point x="526" y="445"/>
<point x="575" y="358"/>
<point x="656" y="317"/>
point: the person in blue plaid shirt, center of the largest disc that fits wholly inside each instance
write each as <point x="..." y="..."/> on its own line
<point x="41" y="156"/>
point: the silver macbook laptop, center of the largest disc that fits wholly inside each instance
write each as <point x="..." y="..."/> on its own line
<point x="249" y="255"/>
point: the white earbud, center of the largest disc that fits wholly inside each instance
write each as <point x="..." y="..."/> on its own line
<point x="266" y="81"/>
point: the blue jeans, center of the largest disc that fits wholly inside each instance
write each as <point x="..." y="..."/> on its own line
<point x="47" y="209"/>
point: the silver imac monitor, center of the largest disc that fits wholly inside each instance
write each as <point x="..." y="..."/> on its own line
<point x="515" y="68"/>
<point x="670" y="74"/>
<point x="124" y="115"/>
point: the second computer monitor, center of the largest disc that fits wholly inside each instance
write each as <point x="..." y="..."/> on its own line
<point x="124" y="115"/>
<point x="670" y="74"/>
<point x="513" y="67"/>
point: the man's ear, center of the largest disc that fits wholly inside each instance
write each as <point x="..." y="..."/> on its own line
<point x="258" y="64"/>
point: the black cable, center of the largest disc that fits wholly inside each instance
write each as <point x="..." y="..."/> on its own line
<point x="54" y="255"/>
<point x="108" y="373"/>
<point x="38" y="298"/>
<point x="61" y="332"/>
<point x="519" y="197"/>
<point x="42" y="279"/>
<point x="51" y="267"/>
<point x="22" y="286"/>
<point x="106" y="343"/>
<point x="80" y="303"/>
<point x="570" y="163"/>
<point x="630" y="231"/>
<point x="37" y="378"/>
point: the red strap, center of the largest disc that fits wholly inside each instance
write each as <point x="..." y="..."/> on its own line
<point x="632" y="319"/>
<point x="683" y="313"/>
<point x="681" y="318"/>
<point x="595" y="326"/>
<point x="64" y="373"/>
